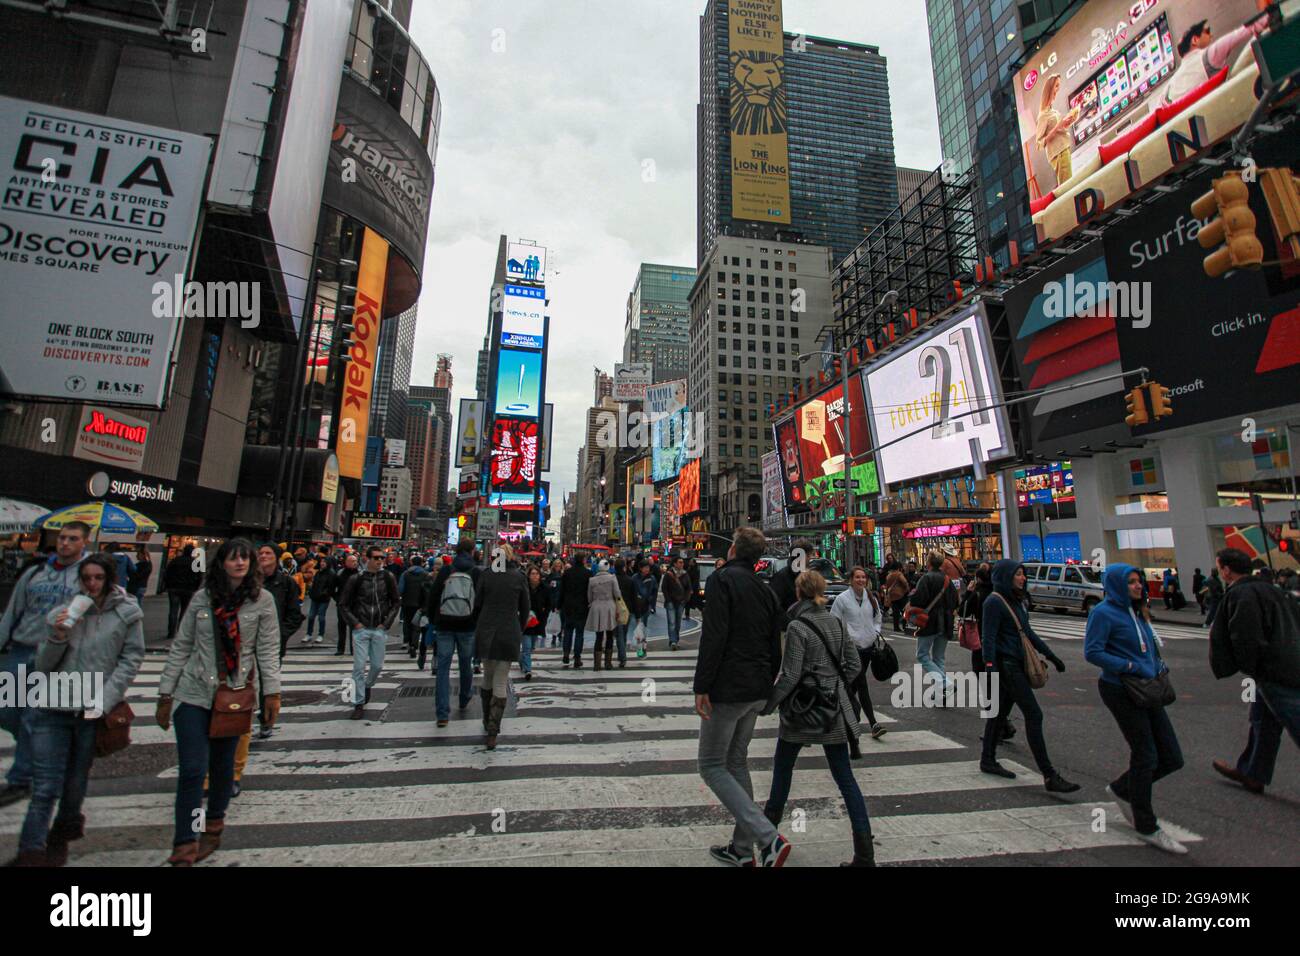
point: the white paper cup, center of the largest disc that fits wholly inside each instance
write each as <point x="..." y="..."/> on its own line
<point x="80" y="604"/>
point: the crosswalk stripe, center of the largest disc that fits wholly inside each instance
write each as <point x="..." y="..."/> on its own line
<point x="269" y="807"/>
<point x="529" y="701"/>
<point x="902" y="838"/>
<point x="511" y="753"/>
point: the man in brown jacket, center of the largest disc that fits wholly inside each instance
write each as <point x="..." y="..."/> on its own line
<point x="896" y="591"/>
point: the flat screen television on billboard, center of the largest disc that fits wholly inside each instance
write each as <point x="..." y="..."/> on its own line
<point x="523" y="317"/>
<point x="519" y="384"/>
<point x="930" y="400"/>
<point x="514" y="455"/>
<point x="688" y="484"/>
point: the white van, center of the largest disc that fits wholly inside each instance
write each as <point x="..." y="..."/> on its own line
<point x="1064" y="587"/>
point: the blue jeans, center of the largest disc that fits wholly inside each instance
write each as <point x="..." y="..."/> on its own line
<point x="837" y="757"/>
<point x="63" y="748"/>
<point x="318" y="611"/>
<point x="1275" y="708"/>
<point x="1153" y="752"/>
<point x="367" y="645"/>
<point x="18" y="720"/>
<point x="526" y="651"/>
<point x="620" y="635"/>
<point x="929" y="654"/>
<point x="574" y="630"/>
<point x="199" y="755"/>
<point x="674" y="615"/>
<point x="462" y="642"/>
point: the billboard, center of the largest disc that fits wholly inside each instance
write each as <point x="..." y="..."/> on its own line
<point x="394" y="452"/>
<point x="1044" y="484"/>
<point x="523" y="317"/>
<point x="379" y="172"/>
<point x="544" y="462"/>
<point x="773" y="498"/>
<point x="825" y="491"/>
<point x="688" y="488"/>
<point x="811" y="441"/>
<point x="111" y="437"/>
<point x="514" y="455"/>
<point x="374" y="524"/>
<point x="519" y="384"/>
<point x="631" y="379"/>
<point x="469" y="432"/>
<point x="669" y="422"/>
<point x="931" y="401"/>
<point x="760" y="163"/>
<point x="525" y="263"/>
<point x="354" y="417"/>
<point x="453" y="532"/>
<point x="1124" y="92"/>
<point x="95" y="243"/>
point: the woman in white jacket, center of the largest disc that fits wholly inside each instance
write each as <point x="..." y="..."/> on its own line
<point x="863" y="618"/>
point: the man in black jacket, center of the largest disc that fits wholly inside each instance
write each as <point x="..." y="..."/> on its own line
<point x="1257" y="632"/>
<point x="180" y="580"/>
<point x="782" y="582"/>
<point x="740" y="655"/>
<point x="573" y="608"/>
<point x="319" y="592"/>
<point x="348" y="569"/>
<point x="450" y="604"/>
<point x="370" y="603"/>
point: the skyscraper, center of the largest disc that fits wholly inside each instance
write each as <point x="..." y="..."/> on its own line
<point x="435" y="402"/>
<point x="393" y="376"/>
<point x="976" y="47"/>
<point x="840" y="139"/>
<point x="658" y="320"/>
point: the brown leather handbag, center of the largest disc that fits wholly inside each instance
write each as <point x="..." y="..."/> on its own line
<point x="232" y="709"/>
<point x="113" y="730"/>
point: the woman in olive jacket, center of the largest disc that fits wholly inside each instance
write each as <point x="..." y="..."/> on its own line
<point x="228" y="627"/>
<point x="503" y="606"/>
<point x="812" y="636"/>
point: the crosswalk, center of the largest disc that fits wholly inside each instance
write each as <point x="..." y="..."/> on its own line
<point x="591" y="769"/>
<point x="1070" y="627"/>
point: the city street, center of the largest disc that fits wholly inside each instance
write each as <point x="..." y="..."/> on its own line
<point x="599" y="769"/>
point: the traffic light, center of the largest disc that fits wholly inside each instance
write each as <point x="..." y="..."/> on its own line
<point x="1137" y="408"/>
<point x="1160" y="407"/>
<point x="1281" y="191"/>
<point x="1233" y="227"/>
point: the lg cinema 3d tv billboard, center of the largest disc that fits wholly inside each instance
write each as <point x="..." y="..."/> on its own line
<point x="1124" y="92"/>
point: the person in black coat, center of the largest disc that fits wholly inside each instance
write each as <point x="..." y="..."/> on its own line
<point x="782" y="582"/>
<point x="340" y="582"/>
<point x="573" y="608"/>
<point x="180" y="580"/>
<point x="627" y="590"/>
<point x="553" y="580"/>
<point x="539" y="599"/>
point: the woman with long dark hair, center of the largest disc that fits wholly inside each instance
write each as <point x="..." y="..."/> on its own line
<point x="230" y="628"/>
<point x="539" y="599"/>
<point x="98" y="631"/>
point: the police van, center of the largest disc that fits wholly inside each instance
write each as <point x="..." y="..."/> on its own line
<point x="1064" y="587"/>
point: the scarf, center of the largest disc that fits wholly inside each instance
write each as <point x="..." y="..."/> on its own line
<point x="228" y="633"/>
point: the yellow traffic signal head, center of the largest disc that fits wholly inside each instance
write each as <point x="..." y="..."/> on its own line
<point x="1136" y="403"/>
<point x="1233" y="228"/>
<point x="1160" y="405"/>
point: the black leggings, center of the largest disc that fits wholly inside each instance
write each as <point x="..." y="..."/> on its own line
<point x="1013" y="690"/>
<point x="859" y="694"/>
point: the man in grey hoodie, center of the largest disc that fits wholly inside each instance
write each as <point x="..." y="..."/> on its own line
<point x="42" y="587"/>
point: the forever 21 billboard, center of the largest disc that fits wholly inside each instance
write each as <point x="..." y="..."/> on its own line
<point x="379" y="173"/>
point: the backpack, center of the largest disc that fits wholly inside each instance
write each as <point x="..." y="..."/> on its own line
<point x="457" y="595"/>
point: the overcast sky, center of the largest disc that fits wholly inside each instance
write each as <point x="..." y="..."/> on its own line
<point x="547" y="140"/>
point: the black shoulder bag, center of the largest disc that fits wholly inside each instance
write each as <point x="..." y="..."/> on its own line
<point x="808" y="707"/>
<point x="1150" y="693"/>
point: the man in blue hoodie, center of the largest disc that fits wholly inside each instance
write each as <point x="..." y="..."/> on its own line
<point x="1005" y="619"/>
<point x="41" y="587"/>
<point x="1120" y="640"/>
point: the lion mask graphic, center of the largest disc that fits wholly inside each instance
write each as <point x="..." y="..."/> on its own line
<point x="758" y="104"/>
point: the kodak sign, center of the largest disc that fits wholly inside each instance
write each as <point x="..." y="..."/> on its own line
<point x="354" y="413"/>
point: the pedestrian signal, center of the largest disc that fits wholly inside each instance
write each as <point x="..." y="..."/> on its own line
<point x="1233" y="227"/>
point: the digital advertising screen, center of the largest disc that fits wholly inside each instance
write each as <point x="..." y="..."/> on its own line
<point x="669" y="424"/>
<point x="1044" y="484"/>
<point x="514" y="455"/>
<point x="930" y="400"/>
<point x="523" y="317"/>
<point x="519" y="384"/>
<point x="526" y="263"/>
<point x="688" y="488"/>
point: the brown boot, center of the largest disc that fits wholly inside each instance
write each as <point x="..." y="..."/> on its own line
<point x="210" y="839"/>
<point x="61" y="834"/>
<point x="184" y="854"/>
<point x="485" y="698"/>
<point x="494" y="721"/>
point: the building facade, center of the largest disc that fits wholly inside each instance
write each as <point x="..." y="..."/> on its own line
<point x="658" y="320"/>
<point x="840" y="134"/>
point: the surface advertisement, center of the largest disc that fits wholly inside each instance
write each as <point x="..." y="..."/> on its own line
<point x="811" y="442"/>
<point x="374" y="524"/>
<point x="631" y="379"/>
<point x="688" y="488"/>
<point x="932" y="401"/>
<point x="94" y="254"/>
<point x="354" y="416"/>
<point x="670" y="420"/>
<point x="111" y="437"/>
<point x="526" y="263"/>
<point x="773" y="496"/>
<point x="760" y="164"/>
<point x="469" y="432"/>
<point x="514" y="455"/>
<point x="1111" y="85"/>
<point x="519" y="384"/>
<point x="523" y="317"/>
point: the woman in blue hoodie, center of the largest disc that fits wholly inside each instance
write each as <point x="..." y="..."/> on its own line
<point x="1004" y="618"/>
<point x="1120" y="641"/>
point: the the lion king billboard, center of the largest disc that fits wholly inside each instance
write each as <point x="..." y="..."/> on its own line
<point x="760" y="163"/>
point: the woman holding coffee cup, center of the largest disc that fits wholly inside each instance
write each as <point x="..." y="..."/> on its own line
<point x="229" y="636"/>
<point x="98" y="632"/>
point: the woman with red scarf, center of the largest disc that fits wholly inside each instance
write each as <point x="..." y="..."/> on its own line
<point x="230" y="634"/>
